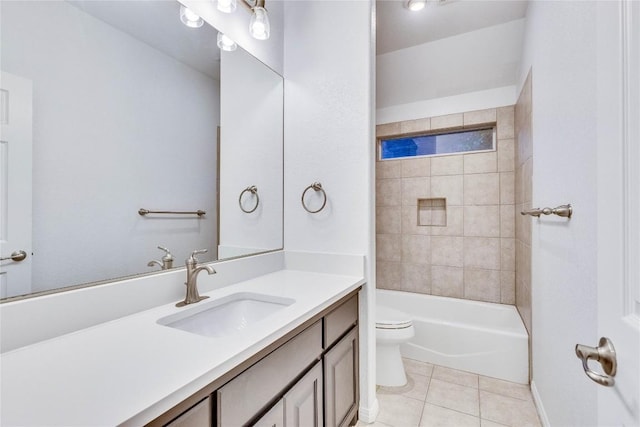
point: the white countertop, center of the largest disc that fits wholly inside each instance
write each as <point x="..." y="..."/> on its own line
<point x="131" y="370"/>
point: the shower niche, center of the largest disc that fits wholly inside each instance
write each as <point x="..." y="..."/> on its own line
<point x="432" y="212"/>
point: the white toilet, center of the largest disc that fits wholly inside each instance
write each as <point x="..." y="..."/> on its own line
<point x="393" y="327"/>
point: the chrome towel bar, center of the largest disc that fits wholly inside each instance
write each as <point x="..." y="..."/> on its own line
<point x="143" y="212"/>
<point x="563" y="210"/>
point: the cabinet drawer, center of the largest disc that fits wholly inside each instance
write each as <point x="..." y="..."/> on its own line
<point x="198" y="416"/>
<point x="243" y="397"/>
<point x="340" y="321"/>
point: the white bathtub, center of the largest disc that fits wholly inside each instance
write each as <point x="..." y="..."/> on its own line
<point x="484" y="338"/>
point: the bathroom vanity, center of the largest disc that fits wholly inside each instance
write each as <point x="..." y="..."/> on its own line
<point x="300" y="361"/>
<point x="309" y="377"/>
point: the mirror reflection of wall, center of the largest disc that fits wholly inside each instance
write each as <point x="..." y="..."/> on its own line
<point x="126" y="109"/>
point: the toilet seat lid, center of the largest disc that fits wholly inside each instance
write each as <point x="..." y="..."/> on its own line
<point x="389" y="318"/>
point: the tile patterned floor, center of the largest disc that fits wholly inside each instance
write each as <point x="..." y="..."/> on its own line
<point x="443" y="397"/>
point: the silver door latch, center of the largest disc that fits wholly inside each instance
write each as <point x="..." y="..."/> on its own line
<point x="605" y="354"/>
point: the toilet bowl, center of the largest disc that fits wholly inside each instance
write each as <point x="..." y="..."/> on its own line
<point x="393" y="327"/>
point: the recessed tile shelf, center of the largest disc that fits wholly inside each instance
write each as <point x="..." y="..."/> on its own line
<point x="432" y="212"/>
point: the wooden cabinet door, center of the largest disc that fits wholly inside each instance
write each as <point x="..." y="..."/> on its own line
<point x="303" y="403"/>
<point x="273" y="418"/>
<point x="341" y="381"/>
<point x="200" y="415"/>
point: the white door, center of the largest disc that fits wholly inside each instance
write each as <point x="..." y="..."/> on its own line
<point x="619" y="206"/>
<point x="15" y="183"/>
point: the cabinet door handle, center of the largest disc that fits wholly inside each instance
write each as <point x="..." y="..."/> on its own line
<point x="605" y="354"/>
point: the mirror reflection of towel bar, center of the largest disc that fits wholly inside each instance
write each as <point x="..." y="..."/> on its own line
<point x="564" y="211"/>
<point x="143" y="212"/>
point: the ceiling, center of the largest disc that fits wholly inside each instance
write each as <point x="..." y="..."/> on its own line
<point x="157" y="23"/>
<point x="397" y="27"/>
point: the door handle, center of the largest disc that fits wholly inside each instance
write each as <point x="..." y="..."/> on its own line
<point x="605" y="354"/>
<point x="16" y="256"/>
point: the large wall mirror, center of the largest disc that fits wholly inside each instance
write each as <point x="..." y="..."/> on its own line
<point x="109" y="107"/>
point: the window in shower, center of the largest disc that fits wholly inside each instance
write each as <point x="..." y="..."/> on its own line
<point x="434" y="144"/>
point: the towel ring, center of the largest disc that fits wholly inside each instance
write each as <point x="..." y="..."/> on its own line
<point x="253" y="190"/>
<point x="316" y="186"/>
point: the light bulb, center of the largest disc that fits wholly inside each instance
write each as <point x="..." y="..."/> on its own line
<point x="189" y="18"/>
<point x="259" y="24"/>
<point x="227" y="6"/>
<point x="225" y="43"/>
<point x="416" y="5"/>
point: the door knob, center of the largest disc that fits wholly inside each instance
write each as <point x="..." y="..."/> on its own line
<point x="605" y="354"/>
<point x="15" y="256"/>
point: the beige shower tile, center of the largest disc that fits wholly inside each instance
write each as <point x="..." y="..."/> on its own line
<point x="416" y="249"/>
<point x="447" y="122"/>
<point x="507" y="188"/>
<point x="482" y="189"/>
<point x="388" y="219"/>
<point x="410" y="223"/>
<point x="447" y="281"/>
<point x="479" y="117"/>
<point x="388" y="192"/>
<point x="506" y="156"/>
<point x="414" y="189"/>
<point x="518" y="185"/>
<point x="418" y="167"/>
<point x="527" y="180"/>
<point x="455" y="223"/>
<point x="482" y="221"/>
<point x="416" y="278"/>
<point x="481" y="162"/>
<point x="482" y="252"/>
<point x="505" y="123"/>
<point x="415" y="388"/>
<point x="486" y="423"/>
<point x="449" y="187"/>
<point x="437" y="416"/>
<point x="508" y="410"/>
<point x="388" y="247"/>
<point x="447" y="251"/>
<point x="386" y="169"/>
<point x="505" y="388"/>
<point x="507" y="221"/>
<point x="455" y="376"/>
<point x="397" y="410"/>
<point x="454" y="396"/>
<point x="388" y="129"/>
<point x="508" y="254"/>
<point x="447" y="165"/>
<point x="482" y="285"/>
<point x="388" y="275"/>
<point x="415" y="126"/>
<point x="507" y="287"/>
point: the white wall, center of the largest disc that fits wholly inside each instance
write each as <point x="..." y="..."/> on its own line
<point x="251" y="121"/>
<point x="475" y="61"/>
<point x="139" y="154"/>
<point x="329" y="134"/>
<point x="560" y="47"/>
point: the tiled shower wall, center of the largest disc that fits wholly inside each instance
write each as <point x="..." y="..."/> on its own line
<point x="473" y="255"/>
<point x="524" y="173"/>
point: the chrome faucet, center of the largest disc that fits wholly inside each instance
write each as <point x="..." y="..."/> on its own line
<point x="167" y="260"/>
<point x="192" y="275"/>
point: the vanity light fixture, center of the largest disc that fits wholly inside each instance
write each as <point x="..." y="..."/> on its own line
<point x="189" y="18"/>
<point x="227" y="6"/>
<point x="225" y="43"/>
<point x="416" y="5"/>
<point x="259" y="25"/>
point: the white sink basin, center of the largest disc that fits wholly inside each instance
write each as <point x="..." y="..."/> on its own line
<point x="227" y="315"/>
